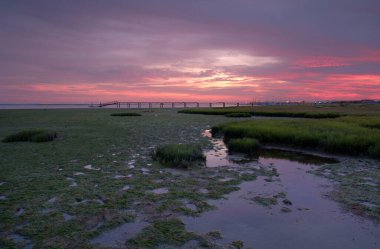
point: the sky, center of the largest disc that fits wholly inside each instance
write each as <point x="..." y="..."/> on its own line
<point x="85" y="51"/>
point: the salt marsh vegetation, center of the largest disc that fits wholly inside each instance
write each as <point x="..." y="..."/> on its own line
<point x="98" y="175"/>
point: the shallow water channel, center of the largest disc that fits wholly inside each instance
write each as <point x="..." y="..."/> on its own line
<point x="298" y="214"/>
<point x="288" y="211"/>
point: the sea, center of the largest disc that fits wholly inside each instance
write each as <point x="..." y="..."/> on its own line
<point x="143" y="105"/>
<point x="44" y="106"/>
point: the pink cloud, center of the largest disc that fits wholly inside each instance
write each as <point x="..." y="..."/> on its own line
<point x="196" y="50"/>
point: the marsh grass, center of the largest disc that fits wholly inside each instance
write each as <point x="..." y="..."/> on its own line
<point x="31" y="174"/>
<point x="262" y="111"/>
<point x="373" y="126"/>
<point x="244" y="145"/>
<point x="296" y="114"/>
<point x="237" y="244"/>
<point x="344" y="135"/>
<point x="208" y="111"/>
<point x="238" y="112"/>
<point x="299" y="111"/>
<point x="179" y="155"/>
<point x="168" y="232"/>
<point x="374" y="150"/>
<point x="265" y="201"/>
<point x="126" y="114"/>
<point x="35" y="135"/>
<point x="239" y="115"/>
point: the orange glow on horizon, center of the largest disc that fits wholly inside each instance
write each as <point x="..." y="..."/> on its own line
<point x="172" y="51"/>
<point x="229" y="88"/>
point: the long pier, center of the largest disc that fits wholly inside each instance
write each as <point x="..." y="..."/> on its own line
<point x="176" y="104"/>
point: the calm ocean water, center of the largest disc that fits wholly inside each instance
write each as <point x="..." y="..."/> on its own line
<point x="81" y="106"/>
<point x="43" y="106"/>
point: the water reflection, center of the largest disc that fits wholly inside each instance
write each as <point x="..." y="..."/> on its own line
<point x="117" y="237"/>
<point x="295" y="156"/>
<point x="218" y="156"/>
<point x="310" y="221"/>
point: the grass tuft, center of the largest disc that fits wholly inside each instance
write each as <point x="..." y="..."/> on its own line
<point x="265" y="111"/>
<point x="170" y="232"/>
<point x="237" y="244"/>
<point x="265" y="201"/>
<point x="374" y="150"/>
<point x="123" y="114"/>
<point x="179" y="155"/>
<point x="244" y="145"/>
<point x="239" y="115"/>
<point x="31" y="136"/>
<point x="346" y="135"/>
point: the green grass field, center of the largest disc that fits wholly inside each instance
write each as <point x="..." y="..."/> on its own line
<point x="244" y="145"/>
<point x="351" y="135"/>
<point x="295" y="111"/>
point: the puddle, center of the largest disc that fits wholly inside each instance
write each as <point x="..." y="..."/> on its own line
<point x="144" y="170"/>
<point x="295" y="156"/>
<point x="117" y="237"/>
<point x="20" y="211"/>
<point x="80" y="201"/>
<point x="90" y="167"/>
<point x="131" y="164"/>
<point x="227" y="179"/>
<point x="119" y="176"/>
<point x="298" y="214"/>
<point x="368" y="204"/>
<point x="52" y="200"/>
<point x="67" y="217"/>
<point x="47" y="210"/>
<point x="160" y="191"/>
<point x="74" y="184"/>
<point x="99" y="201"/>
<point x="191" y="206"/>
<point x="18" y="239"/>
<point x="126" y="187"/>
<point x="370" y="184"/>
<point x="203" y="191"/>
<point x="218" y="156"/>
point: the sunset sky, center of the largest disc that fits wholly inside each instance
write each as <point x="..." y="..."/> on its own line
<point x="83" y="51"/>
